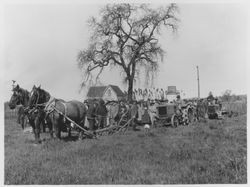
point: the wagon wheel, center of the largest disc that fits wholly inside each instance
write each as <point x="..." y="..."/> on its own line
<point x="174" y="121"/>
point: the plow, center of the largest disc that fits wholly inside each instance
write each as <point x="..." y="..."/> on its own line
<point x="120" y="127"/>
<point x="114" y="129"/>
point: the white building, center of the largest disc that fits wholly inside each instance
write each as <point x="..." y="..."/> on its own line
<point x="107" y="93"/>
<point x="172" y="93"/>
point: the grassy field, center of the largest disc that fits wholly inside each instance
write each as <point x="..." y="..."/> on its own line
<point x="211" y="152"/>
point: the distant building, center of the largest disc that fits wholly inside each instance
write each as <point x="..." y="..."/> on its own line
<point x="172" y="93"/>
<point x="107" y="93"/>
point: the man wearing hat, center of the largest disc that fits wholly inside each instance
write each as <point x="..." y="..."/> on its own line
<point x="179" y="101"/>
<point x="101" y="113"/>
<point x="134" y="114"/>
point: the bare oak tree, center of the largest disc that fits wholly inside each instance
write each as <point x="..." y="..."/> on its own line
<point x="125" y="37"/>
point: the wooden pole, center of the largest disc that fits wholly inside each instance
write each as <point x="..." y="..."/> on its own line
<point x="198" y="79"/>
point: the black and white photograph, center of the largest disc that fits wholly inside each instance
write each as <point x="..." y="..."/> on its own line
<point x="124" y="92"/>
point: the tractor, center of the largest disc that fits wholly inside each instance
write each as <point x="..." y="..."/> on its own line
<point x="171" y="114"/>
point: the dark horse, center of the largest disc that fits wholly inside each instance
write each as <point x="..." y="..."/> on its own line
<point x="20" y="96"/>
<point x="48" y="107"/>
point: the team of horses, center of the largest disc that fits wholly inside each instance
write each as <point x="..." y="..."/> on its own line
<point x="41" y="109"/>
<point x="34" y="106"/>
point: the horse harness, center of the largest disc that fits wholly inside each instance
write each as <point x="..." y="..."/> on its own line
<point x="50" y="107"/>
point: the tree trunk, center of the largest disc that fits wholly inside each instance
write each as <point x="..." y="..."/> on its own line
<point x="130" y="88"/>
<point x="131" y="76"/>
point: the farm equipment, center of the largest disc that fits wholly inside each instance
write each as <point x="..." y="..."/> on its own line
<point x="121" y="126"/>
<point x="170" y="114"/>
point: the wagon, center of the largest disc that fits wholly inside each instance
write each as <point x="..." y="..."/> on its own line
<point x="170" y="114"/>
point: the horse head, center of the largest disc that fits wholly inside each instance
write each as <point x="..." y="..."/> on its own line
<point x="14" y="100"/>
<point x="19" y="96"/>
<point x="38" y="96"/>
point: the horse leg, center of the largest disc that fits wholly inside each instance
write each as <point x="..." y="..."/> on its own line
<point x="60" y="123"/>
<point x="50" y="126"/>
<point x="58" y="132"/>
<point x="80" y="132"/>
<point x="22" y="121"/>
<point x="69" y="131"/>
<point x="44" y="126"/>
<point x="50" y="129"/>
<point x="42" y="123"/>
<point x="80" y="136"/>
<point x="37" y="130"/>
<point x="31" y="122"/>
<point x="18" y="118"/>
<point x="57" y="129"/>
<point x="56" y="123"/>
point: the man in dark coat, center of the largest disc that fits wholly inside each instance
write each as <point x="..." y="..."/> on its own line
<point x="134" y="114"/>
<point x="91" y="114"/>
<point x="101" y="114"/>
<point x="145" y="116"/>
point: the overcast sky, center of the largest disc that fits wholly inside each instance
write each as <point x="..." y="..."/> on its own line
<point x="41" y="42"/>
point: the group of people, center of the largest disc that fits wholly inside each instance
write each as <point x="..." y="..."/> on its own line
<point x="96" y="114"/>
<point x="149" y="94"/>
<point x="140" y="112"/>
<point x="99" y="114"/>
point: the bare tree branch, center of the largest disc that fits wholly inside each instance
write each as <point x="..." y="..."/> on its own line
<point x="125" y="36"/>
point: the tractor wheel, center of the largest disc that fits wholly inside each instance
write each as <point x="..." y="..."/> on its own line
<point x="174" y="121"/>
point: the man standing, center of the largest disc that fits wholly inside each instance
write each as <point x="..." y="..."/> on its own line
<point x="101" y="113"/>
<point x="152" y="113"/>
<point x="179" y="101"/>
<point x="91" y="115"/>
<point x="134" y="114"/>
<point x="145" y="116"/>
